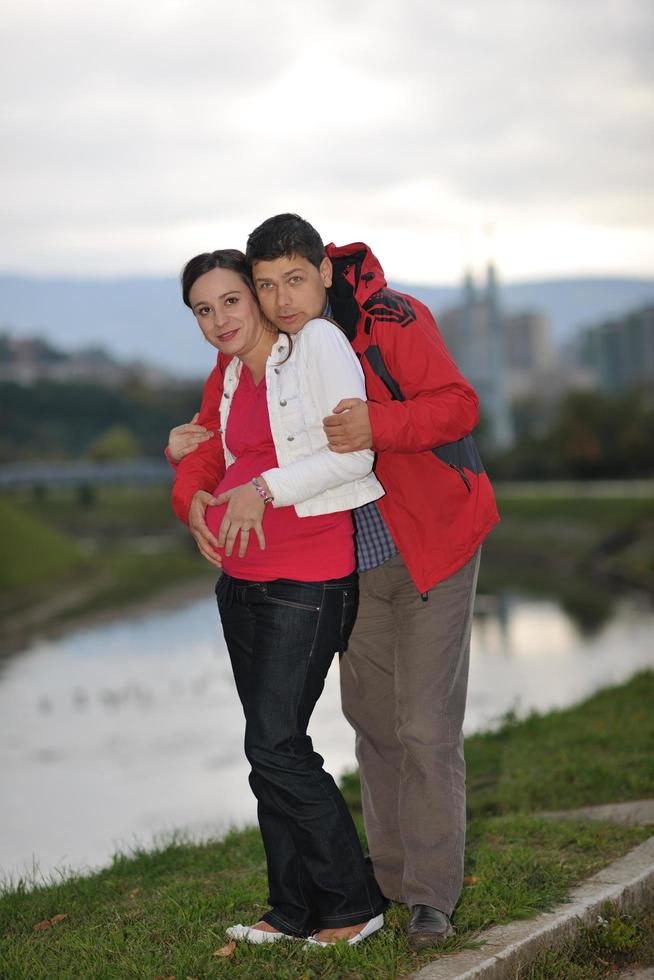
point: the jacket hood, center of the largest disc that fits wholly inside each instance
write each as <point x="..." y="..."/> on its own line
<point x="357" y="276"/>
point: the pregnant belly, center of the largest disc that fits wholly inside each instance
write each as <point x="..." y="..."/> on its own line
<point x="309" y="549"/>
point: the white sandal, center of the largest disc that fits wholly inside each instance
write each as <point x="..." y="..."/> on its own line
<point x="251" y="935"/>
<point x="372" y="925"/>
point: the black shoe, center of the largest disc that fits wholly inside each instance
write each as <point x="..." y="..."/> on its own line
<point x="428" y="927"/>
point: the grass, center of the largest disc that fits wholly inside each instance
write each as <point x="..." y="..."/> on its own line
<point x="615" y="942"/>
<point x="100" y="512"/>
<point x="593" y="753"/>
<point x="33" y="552"/>
<point x="163" y="913"/>
<point x="606" y="512"/>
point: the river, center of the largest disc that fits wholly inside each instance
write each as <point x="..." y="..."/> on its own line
<point x="123" y="732"/>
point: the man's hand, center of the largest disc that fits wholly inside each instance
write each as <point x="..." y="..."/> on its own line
<point x="244" y="513"/>
<point x="348" y="429"/>
<point x="183" y="439"/>
<point x="204" y="539"/>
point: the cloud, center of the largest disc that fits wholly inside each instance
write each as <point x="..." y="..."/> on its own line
<point x="131" y="127"/>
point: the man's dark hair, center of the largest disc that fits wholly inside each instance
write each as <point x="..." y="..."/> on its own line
<point x="284" y="235"/>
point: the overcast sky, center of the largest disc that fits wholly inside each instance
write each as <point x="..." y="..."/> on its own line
<point x="138" y="133"/>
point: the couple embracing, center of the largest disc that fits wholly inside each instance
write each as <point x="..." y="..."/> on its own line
<point x="334" y="438"/>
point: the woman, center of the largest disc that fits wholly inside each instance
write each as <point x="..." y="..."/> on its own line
<point x="287" y="601"/>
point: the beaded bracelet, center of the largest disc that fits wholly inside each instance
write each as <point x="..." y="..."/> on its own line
<point x="267" y="499"/>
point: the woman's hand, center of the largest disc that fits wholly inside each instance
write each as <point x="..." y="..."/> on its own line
<point x="244" y="513"/>
<point x="204" y="539"/>
<point x="183" y="439"/>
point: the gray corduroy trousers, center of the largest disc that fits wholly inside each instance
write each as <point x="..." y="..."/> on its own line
<point x="404" y="682"/>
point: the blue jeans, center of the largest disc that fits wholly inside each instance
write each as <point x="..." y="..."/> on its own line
<point x="282" y="637"/>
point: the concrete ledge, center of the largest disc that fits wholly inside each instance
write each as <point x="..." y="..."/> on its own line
<point x="627" y="883"/>
<point x="636" y="813"/>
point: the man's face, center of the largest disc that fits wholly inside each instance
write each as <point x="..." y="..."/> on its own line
<point x="291" y="290"/>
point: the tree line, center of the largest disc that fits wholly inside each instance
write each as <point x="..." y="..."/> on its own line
<point x="59" y="420"/>
<point x="587" y="435"/>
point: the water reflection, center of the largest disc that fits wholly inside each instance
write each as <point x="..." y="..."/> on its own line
<point x="528" y="655"/>
<point x="113" y="734"/>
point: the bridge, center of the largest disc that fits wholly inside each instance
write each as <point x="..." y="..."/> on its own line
<point x="138" y="472"/>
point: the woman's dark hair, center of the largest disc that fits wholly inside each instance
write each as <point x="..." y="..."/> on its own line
<point x="223" y="258"/>
<point x="284" y="235"/>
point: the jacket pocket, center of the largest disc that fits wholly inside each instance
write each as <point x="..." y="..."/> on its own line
<point x="461" y="472"/>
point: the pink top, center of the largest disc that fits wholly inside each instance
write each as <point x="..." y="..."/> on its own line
<point x="310" y="549"/>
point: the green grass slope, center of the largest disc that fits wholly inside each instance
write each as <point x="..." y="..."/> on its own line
<point x="32" y="552"/>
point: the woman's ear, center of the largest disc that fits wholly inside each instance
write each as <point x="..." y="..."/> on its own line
<point x="326" y="271"/>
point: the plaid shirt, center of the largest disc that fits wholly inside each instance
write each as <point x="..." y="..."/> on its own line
<point x="374" y="542"/>
<point x="373" y="539"/>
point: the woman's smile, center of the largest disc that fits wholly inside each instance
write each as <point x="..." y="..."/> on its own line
<point x="224" y="338"/>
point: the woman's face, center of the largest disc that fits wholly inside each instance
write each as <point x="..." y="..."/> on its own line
<point x="227" y="312"/>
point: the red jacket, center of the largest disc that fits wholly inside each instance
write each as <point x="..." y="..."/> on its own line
<point x="204" y="468"/>
<point x="439" y="504"/>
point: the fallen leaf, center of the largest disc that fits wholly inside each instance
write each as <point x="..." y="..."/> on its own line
<point x="49" y="923"/>
<point x="471" y="880"/>
<point x="134" y="892"/>
<point x="226" y="950"/>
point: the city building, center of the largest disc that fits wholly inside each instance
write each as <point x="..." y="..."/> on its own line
<point x="475" y="335"/>
<point x="620" y="352"/>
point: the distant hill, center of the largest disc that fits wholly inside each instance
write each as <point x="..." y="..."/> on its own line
<point x="134" y="319"/>
<point x="145" y="319"/>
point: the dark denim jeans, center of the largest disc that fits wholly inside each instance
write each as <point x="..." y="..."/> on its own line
<point x="282" y="637"/>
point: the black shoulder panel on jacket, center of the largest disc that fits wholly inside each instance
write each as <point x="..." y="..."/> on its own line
<point x="389" y="306"/>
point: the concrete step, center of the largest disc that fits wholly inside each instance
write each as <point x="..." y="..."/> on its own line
<point x="628" y="884"/>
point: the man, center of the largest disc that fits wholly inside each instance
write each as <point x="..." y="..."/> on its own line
<point x="404" y="676"/>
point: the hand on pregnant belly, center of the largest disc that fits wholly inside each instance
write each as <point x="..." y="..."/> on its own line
<point x="198" y="515"/>
<point x="244" y="513"/>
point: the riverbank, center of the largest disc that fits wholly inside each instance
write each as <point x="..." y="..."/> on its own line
<point x="73" y="554"/>
<point x="70" y="560"/>
<point x="586" y="551"/>
<point x="163" y="912"/>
